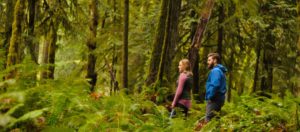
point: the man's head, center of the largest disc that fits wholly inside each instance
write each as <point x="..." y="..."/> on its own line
<point x="212" y="60"/>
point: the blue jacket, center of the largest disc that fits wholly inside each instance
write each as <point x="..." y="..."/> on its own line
<point x="216" y="84"/>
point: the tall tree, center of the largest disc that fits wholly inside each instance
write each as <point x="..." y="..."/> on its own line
<point x="91" y="44"/>
<point x="230" y="77"/>
<point x="125" y="46"/>
<point x="8" y="30"/>
<point x="52" y="47"/>
<point x="158" y="44"/>
<point x="257" y="63"/>
<point x="44" y="57"/>
<point x="30" y="36"/>
<point x="220" y="29"/>
<point x="268" y="55"/>
<point x="13" y="57"/>
<point x="193" y="26"/>
<point x="193" y="53"/>
<point x="298" y="45"/>
<point x="170" y="40"/>
<point x="48" y="52"/>
<point x="174" y="14"/>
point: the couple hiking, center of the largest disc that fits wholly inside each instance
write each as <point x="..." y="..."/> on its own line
<point x="215" y="87"/>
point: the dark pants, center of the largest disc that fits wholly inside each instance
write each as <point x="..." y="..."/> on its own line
<point x="184" y="109"/>
<point x="212" y="108"/>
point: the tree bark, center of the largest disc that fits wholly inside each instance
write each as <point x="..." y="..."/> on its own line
<point x="43" y="74"/>
<point x="194" y="49"/>
<point x="125" y="46"/>
<point x="230" y="76"/>
<point x="30" y="36"/>
<point x="158" y="44"/>
<point x="174" y="12"/>
<point x="196" y="80"/>
<point x="267" y="81"/>
<point x="220" y="29"/>
<point x="170" y="40"/>
<point x="13" y="57"/>
<point x="91" y="44"/>
<point x="193" y="53"/>
<point x="48" y="52"/>
<point x="256" y="73"/>
<point x="8" y="32"/>
<point x="52" y="49"/>
<point x="298" y="54"/>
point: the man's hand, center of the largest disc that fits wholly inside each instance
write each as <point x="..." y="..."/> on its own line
<point x="209" y="101"/>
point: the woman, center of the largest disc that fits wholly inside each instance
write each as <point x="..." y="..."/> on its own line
<point x="182" y="96"/>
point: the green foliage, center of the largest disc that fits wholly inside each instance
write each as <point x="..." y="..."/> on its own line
<point x="65" y="104"/>
<point x="257" y="113"/>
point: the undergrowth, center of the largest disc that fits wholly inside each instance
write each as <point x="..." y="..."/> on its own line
<point x="67" y="105"/>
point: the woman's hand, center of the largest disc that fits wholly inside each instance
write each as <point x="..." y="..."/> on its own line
<point x="173" y="105"/>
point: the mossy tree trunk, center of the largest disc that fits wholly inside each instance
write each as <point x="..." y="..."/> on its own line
<point x="170" y="41"/>
<point x="52" y="48"/>
<point x="48" y="52"/>
<point x="230" y="77"/>
<point x="220" y="29"/>
<point x="257" y="63"/>
<point x="13" y="57"/>
<point x="297" y="89"/>
<point x="44" y="57"/>
<point x="267" y="81"/>
<point x="92" y="45"/>
<point x="196" y="80"/>
<point x="174" y="21"/>
<point x="158" y="44"/>
<point x="8" y="30"/>
<point x="125" y="46"/>
<point x="30" y="36"/>
<point x="193" y="54"/>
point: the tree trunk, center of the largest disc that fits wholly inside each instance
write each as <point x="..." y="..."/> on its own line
<point x="43" y="74"/>
<point x="174" y="12"/>
<point x="256" y="73"/>
<point x="30" y="36"/>
<point x="47" y="59"/>
<point x="297" y="89"/>
<point x="194" y="49"/>
<point x="196" y="80"/>
<point x="241" y="84"/>
<point x="125" y="46"/>
<point x="269" y="49"/>
<point x="51" y="50"/>
<point x="268" y="67"/>
<point x="8" y="31"/>
<point x="115" y="10"/>
<point x="91" y="44"/>
<point x="158" y="44"/>
<point x="170" y="41"/>
<point x="220" y="30"/>
<point x="193" y="54"/>
<point x="230" y="76"/>
<point x="13" y="57"/>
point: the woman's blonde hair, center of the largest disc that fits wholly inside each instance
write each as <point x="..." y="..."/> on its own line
<point x="187" y="66"/>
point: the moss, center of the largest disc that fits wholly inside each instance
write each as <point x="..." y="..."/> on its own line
<point x="15" y="40"/>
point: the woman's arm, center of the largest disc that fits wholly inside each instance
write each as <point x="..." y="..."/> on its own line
<point x="181" y="81"/>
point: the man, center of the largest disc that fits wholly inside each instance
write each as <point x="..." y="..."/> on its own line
<point x="215" y="86"/>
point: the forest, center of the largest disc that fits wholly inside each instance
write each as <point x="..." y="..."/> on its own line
<point x="112" y="65"/>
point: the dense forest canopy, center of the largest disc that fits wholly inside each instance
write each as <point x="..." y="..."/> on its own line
<point x="92" y="65"/>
